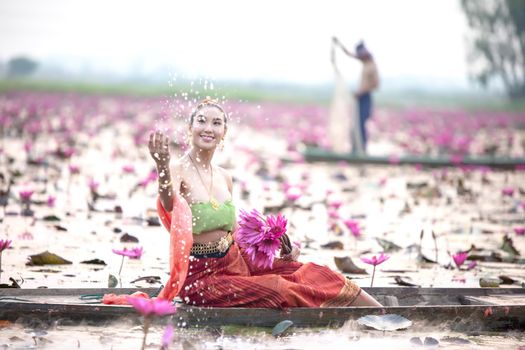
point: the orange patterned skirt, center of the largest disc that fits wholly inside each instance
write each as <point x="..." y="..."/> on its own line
<point x="234" y="281"/>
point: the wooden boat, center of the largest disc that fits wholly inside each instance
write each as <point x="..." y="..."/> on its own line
<point x="312" y="154"/>
<point x="460" y="309"/>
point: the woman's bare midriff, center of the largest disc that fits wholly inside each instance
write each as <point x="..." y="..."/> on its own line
<point x="209" y="236"/>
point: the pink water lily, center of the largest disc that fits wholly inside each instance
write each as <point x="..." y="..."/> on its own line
<point x="460" y="258"/>
<point x="74" y="169"/>
<point x="520" y="231"/>
<point x="128" y="169"/>
<point x="133" y="253"/>
<point x="374" y="261"/>
<point x="4" y="244"/>
<point x="507" y="191"/>
<point x="293" y="193"/>
<point x="353" y="226"/>
<point x="25" y="195"/>
<point x="149" y="307"/>
<point x="51" y="201"/>
<point x="260" y="237"/>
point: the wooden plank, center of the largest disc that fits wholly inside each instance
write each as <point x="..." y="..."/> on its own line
<point x="312" y="154"/>
<point x="456" y="318"/>
<point x="399" y="292"/>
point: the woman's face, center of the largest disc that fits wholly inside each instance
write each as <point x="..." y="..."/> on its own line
<point x="208" y="128"/>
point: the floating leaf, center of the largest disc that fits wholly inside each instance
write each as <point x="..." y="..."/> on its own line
<point x="51" y="218"/>
<point x="400" y="281"/>
<point x="388" y="322"/>
<point x="60" y="228"/>
<point x="506" y="279"/>
<point x="127" y="238"/>
<point x="334" y="245"/>
<point x="46" y="258"/>
<point x="346" y="265"/>
<point x="388" y="246"/>
<point x="489" y="282"/>
<point x="94" y="262"/>
<point x="508" y="246"/>
<point x="112" y="281"/>
<point x="281" y="327"/>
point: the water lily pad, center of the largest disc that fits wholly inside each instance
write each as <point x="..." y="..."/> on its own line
<point x="51" y="218"/>
<point x="94" y="262"/>
<point x="388" y="246"/>
<point x="281" y="327"/>
<point x="333" y="245"/>
<point x="346" y="265"/>
<point x="489" y="282"/>
<point x="46" y="258"/>
<point x="127" y="238"/>
<point x="112" y="281"/>
<point x="388" y="322"/>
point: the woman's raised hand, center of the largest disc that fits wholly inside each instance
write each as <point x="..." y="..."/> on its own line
<point x="159" y="148"/>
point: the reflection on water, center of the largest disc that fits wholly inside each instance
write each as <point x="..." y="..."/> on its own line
<point x="124" y="335"/>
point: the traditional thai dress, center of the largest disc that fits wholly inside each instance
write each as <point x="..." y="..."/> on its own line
<point x="230" y="278"/>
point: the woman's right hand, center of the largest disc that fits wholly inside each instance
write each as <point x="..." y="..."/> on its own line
<point x="159" y="149"/>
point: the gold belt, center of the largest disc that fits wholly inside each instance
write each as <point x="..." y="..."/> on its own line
<point x="219" y="246"/>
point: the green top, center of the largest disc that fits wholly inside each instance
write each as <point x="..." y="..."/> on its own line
<point x="205" y="218"/>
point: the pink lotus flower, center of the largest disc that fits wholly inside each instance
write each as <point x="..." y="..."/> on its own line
<point x="293" y="193"/>
<point x="520" y="231"/>
<point x="148" y="307"/>
<point x="93" y="185"/>
<point x="335" y="203"/>
<point x="128" y="169"/>
<point x="25" y="195"/>
<point x="472" y="265"/>
<point x="259" y="237"/>
<point x="74" y="169"/>
<point x="333" y="214"/>
<point x="507" y="191"/>
<point x="134" y="253"/>
<point x="375" y="260"/>
<point x="51" y="201"/>
<point x="353" y="226"/>
<point x="460" y="258"/>
<point x="4" y="244"/>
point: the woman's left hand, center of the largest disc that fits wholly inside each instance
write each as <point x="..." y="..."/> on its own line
<point x="294" y="254"/>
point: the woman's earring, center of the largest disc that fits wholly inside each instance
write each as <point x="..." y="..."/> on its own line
<point x="189" y="137"/>
<point x="221" y="145"/>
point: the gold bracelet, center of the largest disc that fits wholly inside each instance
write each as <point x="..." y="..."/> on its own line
<point x="165" y="185"/>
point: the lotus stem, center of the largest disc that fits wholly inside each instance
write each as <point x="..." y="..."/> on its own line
<point x="373" y="274"/>
<point x="146" y="329"/>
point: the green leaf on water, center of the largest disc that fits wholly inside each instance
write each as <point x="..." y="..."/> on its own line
<point x="112" y="281"/>
<point x="281" y="327"/>
<point x="51" y="218"/>
<point x="46" y="258"/>
<point x="508" y="246"/>
<point x="489" y="282"/>
<point x="388" y="246"/>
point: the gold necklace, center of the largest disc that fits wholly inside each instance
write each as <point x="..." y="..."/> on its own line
<point x="213" y="201"/>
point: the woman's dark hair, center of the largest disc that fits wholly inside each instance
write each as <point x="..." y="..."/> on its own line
<point x="208" y="102"/>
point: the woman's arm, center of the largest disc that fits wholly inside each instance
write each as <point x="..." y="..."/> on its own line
<point x="159" y="149"/>
<point x="345" y="50"/>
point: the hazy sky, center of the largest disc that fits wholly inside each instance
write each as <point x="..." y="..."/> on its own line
<point x="266" y="40"/>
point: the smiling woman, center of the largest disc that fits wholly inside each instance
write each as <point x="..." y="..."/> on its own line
<point x="220" y="272"/>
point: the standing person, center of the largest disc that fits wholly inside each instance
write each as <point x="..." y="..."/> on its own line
<point x="368" y="83"/>
<point x="219" y="272"/>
